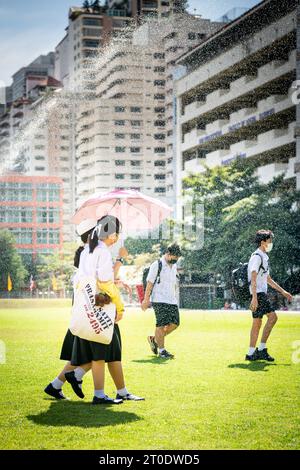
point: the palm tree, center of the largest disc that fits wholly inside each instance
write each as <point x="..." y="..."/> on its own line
<point x="86" y="5"/>
<point x="96" y="5"/>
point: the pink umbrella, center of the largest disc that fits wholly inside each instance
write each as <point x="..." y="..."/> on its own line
<point x="135" y="210"/>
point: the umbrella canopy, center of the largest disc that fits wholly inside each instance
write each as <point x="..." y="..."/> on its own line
<point x="135" y="210"/>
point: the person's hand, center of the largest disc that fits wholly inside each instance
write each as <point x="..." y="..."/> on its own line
<point x="145" y="304"/>
<point x="123" y="252"/>
<point x="119" y="317"/>
<point x="288" y="296"/>
<point x="254" y="304"/>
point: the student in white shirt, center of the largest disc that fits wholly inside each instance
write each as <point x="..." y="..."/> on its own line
<point x="84" y="355"/>
<point x="162" y="288"/>
<point x="259" y="278"/>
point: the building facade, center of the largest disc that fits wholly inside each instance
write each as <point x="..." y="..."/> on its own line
<point x="235" y="96"/>
<point x="31" y="208"/>
<point x="40" y="68"/>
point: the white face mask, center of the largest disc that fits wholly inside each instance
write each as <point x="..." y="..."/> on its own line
<point x="269" y="247"/>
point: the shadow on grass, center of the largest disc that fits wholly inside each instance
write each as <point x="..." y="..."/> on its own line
<point x="255" y="366"/>
<point x="85" y="415"/>
<point x="152" y="360"/>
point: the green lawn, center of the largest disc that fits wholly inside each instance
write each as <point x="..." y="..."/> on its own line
<point x="207" y="398"/>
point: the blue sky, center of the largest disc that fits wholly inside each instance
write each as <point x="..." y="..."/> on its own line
<point x="29" y="28"/>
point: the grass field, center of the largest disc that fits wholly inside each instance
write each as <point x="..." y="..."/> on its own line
<point x="207" y="398"/>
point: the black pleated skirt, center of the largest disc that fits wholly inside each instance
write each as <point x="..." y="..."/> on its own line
<point x="80" y="351"/>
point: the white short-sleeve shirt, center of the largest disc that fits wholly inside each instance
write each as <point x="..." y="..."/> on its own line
<point x="166" y="290"/>
<point x="98" y="264"/>
<point x="262" y="274"/>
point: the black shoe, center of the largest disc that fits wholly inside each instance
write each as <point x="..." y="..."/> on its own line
<point x="265" y="356"/>
<point x="129" y="396"/>
<point x="70" y="377"/>
<point x="53" y="392"/>
<point x="153" y="344"/>
<point x="106" y="401"/>
<point x="166" y="355"/>
<point x="252" y="357"/>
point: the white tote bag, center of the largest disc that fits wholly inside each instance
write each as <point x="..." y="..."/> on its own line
<point x="88" y="321"/>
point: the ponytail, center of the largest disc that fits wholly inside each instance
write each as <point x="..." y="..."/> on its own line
<point x="93" y="241"/>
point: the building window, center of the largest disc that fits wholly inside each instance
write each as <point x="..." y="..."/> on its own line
<point x="159" y="97"/>
<point x="160" y="123"/>
<point x="135" y="149"/>
<point x="159" y="69"/>
<point x="158" y="55"/>
<point x="120" y="136"/>
<point x="120" y="162"/>
<point x="119" y="123"/>
<point x="135" y="109"/>
<point x="160" y="177"/>
<point x="120" y="109"/>
<point x="23" y="236"/>
<point x="54" y="237"/>
<point x="160" y="190"/>
<point x="136" y="177"/>
<point x="136" y="163"/>
<point x="120" y="177"/>
<point x="15" y="192"/>
<point x="42" y="237"/>
<point x="120" y="149"/>
<point x="159" y="136"/>
<point x="159" y="150"/>
<point x="192" y="36"/>
<point x="92" y="22"/>
<point x="48" y="192"/>
<point x="48" y="215"/>
<point x="160" y="163"/>
<point x="136" y="123"/>
<point x="159" y="82"/>
<point x="160" y="110"/>
<point x="135" y="136"/>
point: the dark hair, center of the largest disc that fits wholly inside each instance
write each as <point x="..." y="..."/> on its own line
<point x="263" y="236"/>
<point x="85" y="236"/>
<point x="77" y="256"/>
<point x="110" y="224"/>
<point x="174" y="250"/>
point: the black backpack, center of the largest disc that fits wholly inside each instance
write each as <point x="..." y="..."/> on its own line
<point x="240" y="283"/>
<point x="146" y="272"/>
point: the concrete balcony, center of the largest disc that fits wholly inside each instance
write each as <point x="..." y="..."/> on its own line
<point x="196" y="165"/>
<point x="241" y="114"/>
<point x="260" y="40"/>
<point x="265" y="143"/>
<point x="268" y="172"/>
<point x="191" y="139"/>
<point x="214" y="158"/>
<point x="240" y="87"/>
<point x="216" y="126"/>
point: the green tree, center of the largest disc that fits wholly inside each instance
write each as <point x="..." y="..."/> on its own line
<point x="58" y="265"/>
<point x="236" y="206"/>
<point x="10" y="262"/>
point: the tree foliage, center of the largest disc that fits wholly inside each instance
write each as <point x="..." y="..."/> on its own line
<point x="236" y="205"/>
<point x="10" y="262"/>
<point x="58" y="265"/>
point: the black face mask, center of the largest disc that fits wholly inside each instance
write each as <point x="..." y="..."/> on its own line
<point x="172" y="261"/>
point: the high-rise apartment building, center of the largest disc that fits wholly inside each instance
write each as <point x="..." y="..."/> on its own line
<point x="40" y="68"/>
<point x="237" y="97"/>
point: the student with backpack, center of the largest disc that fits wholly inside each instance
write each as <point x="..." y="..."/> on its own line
<point x="259" y="279"/>
<point x="161" y="288"/>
